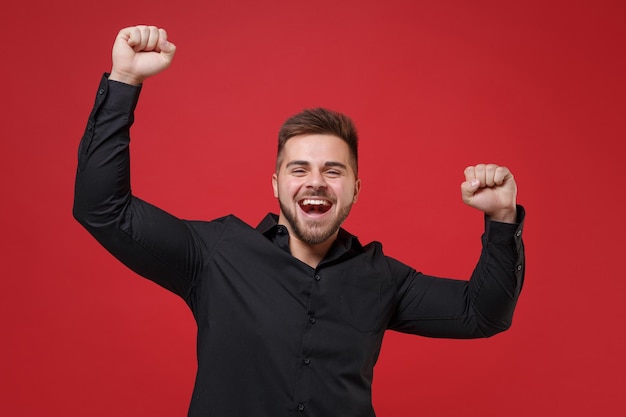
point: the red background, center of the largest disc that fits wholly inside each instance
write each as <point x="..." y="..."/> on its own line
<point x="434" y="86"/>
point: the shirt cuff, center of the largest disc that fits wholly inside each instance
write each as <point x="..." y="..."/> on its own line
<point x="117" y="96"/>
<point x="504" y="233"/>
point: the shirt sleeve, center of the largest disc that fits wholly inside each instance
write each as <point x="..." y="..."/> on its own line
<point x="150" y="241"/>
<point x="481" y="307"/>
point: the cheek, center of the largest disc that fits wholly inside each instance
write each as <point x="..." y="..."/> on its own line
<point x="281" y="187"/>
<point x="345" y="194"/>
<point x="285" y="189"/>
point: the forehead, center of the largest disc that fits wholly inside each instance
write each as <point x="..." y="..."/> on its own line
<point x="316" y="148"/>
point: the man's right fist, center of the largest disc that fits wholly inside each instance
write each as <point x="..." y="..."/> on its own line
<point x="140" y="52"/>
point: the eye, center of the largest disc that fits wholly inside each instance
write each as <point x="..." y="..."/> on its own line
<point x="298" y="171"/>
<point x="333" y="173"/>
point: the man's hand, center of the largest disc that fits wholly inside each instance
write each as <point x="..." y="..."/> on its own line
<point x="140" y="52"/>
<point x="491" y="189"/>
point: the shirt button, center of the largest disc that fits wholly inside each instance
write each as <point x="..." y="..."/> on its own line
<point x="300" y="407"/>
<point x="307" y="361"/>
<point x="312" y="319"/>
<point x="519" y="233"/>
<point x="519" y="267"/>
<point x="101" y="91"/>
<point x="317" y="277"/>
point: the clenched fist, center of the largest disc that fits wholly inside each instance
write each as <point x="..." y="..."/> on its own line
<point x="491" y="189"/>
<point x="140" y="52"/>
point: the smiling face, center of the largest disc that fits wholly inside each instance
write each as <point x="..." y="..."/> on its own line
<point x="316" y="185"/>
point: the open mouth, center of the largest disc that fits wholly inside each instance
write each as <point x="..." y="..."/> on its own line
<point x="314" y="205"/>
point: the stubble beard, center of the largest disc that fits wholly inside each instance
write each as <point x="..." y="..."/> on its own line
<point x="313" y="232"/>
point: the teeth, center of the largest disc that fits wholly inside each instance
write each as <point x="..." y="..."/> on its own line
<point x="312" y="202"/>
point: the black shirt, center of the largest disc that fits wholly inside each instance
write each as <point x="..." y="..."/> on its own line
<point x="275" y="336"/>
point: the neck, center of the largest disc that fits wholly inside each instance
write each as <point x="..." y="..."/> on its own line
<point x="311" y="255"/>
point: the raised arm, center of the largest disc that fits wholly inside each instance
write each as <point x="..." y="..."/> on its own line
<point x="484" y="305"/>
<point x="145" y="238"/>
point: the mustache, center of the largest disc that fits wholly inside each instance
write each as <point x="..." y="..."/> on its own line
<point x="317" y="193"/>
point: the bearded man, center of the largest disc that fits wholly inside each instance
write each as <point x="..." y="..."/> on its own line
<point x="290" y="314"/>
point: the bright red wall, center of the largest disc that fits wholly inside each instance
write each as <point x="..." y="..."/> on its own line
<point x="433" y="85"/>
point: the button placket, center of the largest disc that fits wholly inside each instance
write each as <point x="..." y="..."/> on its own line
<point x="306" y="361"/>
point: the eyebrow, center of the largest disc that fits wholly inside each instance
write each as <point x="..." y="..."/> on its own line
<point x="329" y="164"/>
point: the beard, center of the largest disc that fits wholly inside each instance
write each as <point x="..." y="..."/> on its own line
<point x="314" y="232"/>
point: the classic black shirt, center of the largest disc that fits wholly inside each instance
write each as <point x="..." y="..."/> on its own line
<point x="275" y="336"/>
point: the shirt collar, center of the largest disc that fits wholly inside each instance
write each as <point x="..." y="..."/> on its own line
<point x="345" y="243"/>
<point x="268" y="225"/>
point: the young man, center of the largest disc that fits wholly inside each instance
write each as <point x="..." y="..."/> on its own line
<point x="290" y="314"/>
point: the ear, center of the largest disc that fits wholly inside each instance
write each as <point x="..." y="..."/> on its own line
<point x="357" y="190"/>
<point x="275" y="184"/>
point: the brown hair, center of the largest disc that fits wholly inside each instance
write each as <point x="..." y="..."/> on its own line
<point x="320" y="121"/>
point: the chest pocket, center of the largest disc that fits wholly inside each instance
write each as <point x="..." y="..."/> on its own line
<point x="364" y="302"/>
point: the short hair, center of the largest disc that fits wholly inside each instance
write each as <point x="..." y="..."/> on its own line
<point x="320" y="121"/>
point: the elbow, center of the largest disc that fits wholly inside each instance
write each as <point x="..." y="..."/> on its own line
<point x="94" y="209"/>
<point x="80" y="207"/>
<point x="82" y="216"/>
<point x="490" y="328"/>
<point x="81" y="211"/>
<point x="493" y="315"/>
<point x="492" y="331"/>
<point x="78" y="212"/>
<point x="94" y="217"/>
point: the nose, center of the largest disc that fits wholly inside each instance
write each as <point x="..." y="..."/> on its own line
<point x="316" y="180"/>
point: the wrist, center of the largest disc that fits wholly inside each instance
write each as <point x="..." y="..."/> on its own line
<point x="508" y="215"/>
<point x="125" y="78"/>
